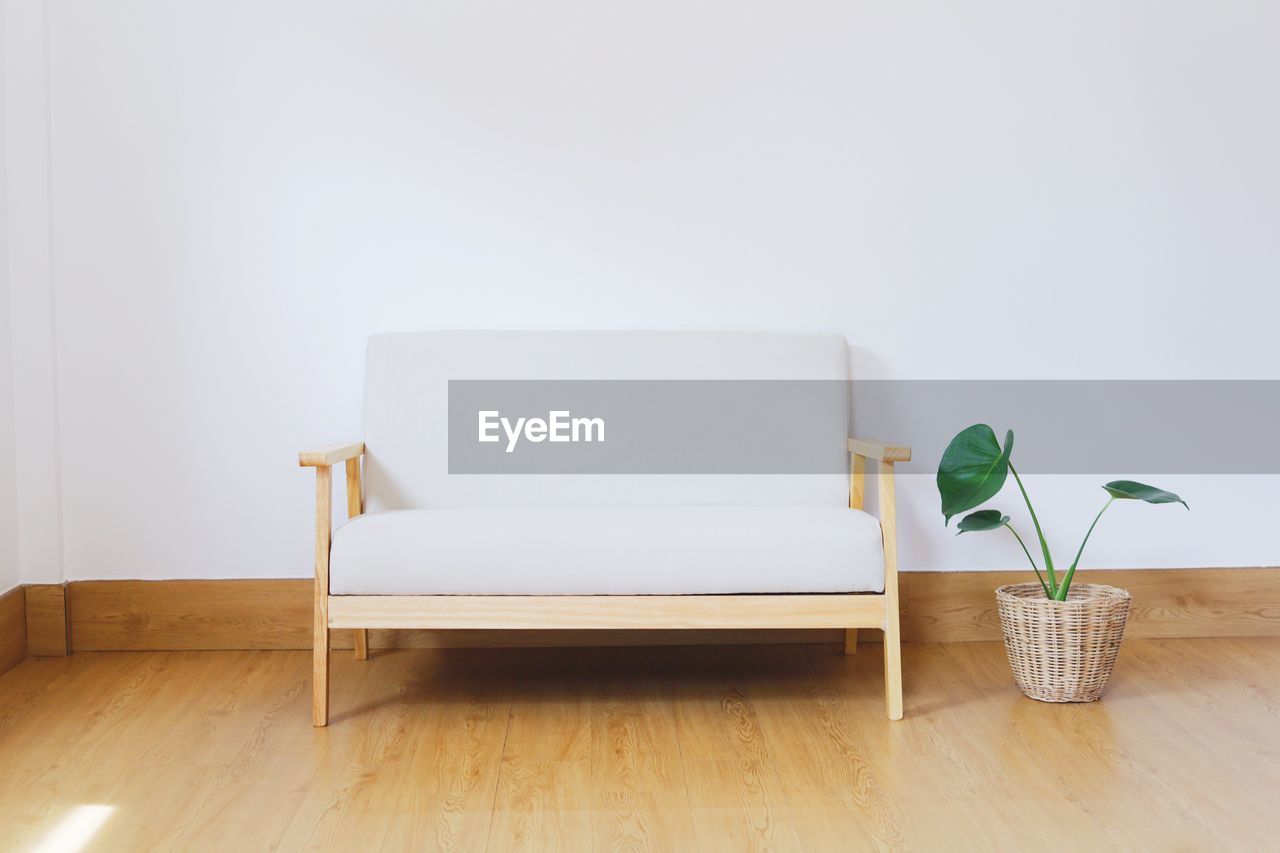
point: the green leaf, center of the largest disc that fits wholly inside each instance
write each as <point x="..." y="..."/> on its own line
<point x="973" y="469"/>
<point x="983" y="519"/>
<point x="1129" y="490"/>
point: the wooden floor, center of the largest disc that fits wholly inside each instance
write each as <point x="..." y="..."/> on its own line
<point x="713" y="748"/>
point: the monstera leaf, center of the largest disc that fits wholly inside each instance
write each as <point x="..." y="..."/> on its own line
<point x="983" y="519"/>
<point x="973" y="469"/>
<point x="1129" y="490"/>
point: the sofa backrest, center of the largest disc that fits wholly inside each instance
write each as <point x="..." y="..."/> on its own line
<point x="406" y="413"/>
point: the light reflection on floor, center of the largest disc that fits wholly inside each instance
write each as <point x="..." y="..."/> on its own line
<point x="75" y="830"/>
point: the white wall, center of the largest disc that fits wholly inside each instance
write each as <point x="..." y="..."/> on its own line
<point x="28" y="232"/>
<point x="241" y="192"/>
<point x="10" y="572"/>
<point x="10" y="575"/>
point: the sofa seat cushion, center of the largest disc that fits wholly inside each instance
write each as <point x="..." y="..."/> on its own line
<point x="647" y="550"/>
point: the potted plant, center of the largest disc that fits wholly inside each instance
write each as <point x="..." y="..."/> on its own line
<point x="1061" y="638"/>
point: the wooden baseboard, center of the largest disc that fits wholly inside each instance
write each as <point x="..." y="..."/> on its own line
<point x="190" y="614"/>
<point x="936" y="607"/>
<point x="1169" y="603"/>
<point x="276" y="614"/>
<point x="47" y="620"/>
<point x="13" y="628"/>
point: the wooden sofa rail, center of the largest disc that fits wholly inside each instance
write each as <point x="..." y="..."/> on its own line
<point x="330" y="454"/>
<point x="606" y="611"/>
<point x="881" y="451"/>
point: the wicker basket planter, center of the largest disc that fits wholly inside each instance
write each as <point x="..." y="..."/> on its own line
<point x="1062" y="651"/>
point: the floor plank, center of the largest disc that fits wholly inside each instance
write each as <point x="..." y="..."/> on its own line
<point x="700" y="748"/>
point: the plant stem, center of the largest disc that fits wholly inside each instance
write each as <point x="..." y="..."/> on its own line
<point x="1044" y="546"/>
<point x="1071" y="572"/>
<point x="1039" y="577"/>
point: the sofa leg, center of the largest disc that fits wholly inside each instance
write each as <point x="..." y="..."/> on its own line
<point x="893" y="671"/>
<point x="320" y="677"/>
<point x="362" y="643"/>
<point x="850" y="641"/>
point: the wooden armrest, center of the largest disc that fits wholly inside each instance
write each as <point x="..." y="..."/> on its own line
<point x="330" y="454"/>
<point x="881" y="450"/>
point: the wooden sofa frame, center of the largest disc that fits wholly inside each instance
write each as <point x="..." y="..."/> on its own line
<point x="849" y="611"/>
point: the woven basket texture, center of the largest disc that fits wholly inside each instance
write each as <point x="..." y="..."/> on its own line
<point x="1062" y="651"/>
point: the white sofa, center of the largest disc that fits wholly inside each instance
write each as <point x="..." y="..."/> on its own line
<point x="428" y="549"/>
